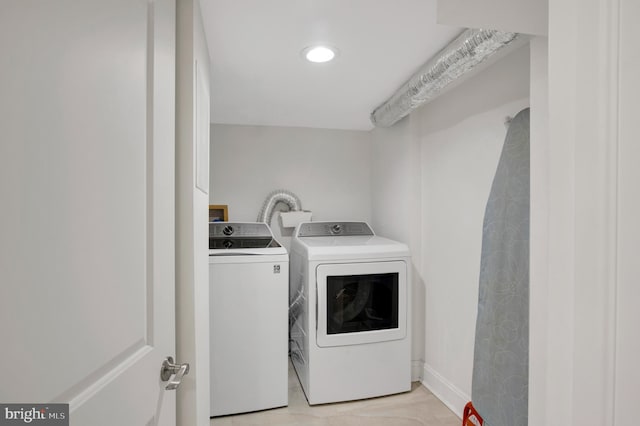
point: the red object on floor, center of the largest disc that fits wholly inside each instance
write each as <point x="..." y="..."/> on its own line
<point x="470" y="416"/>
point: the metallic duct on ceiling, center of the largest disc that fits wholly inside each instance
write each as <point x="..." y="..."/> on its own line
<point x="459" y="57"/>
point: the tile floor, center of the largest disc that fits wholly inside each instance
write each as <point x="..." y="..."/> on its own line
<point x="415" y="408"/>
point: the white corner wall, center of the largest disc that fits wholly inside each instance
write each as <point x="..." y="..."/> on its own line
<point x="440" y="162"/>
<point x="328" y="169"/>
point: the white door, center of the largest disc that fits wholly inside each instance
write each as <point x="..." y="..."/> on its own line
<point x="87" y="194"/>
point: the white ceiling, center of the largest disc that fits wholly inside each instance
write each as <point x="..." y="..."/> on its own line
<point x="258" y="76"/>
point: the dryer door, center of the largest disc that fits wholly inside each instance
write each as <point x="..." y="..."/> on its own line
<point x="361" y="303"/>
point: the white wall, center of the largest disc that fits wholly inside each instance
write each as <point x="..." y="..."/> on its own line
<point x="328" y="169"/>
<point x="459" y="162"/>
<point x="456" y="141"/>
<point x="396" y="201"/>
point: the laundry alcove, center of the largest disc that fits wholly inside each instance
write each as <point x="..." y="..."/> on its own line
<point x="423" y="181"/>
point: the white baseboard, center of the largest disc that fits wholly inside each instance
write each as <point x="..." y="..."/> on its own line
<point x="444" y="390"/>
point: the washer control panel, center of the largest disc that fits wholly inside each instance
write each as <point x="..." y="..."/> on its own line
<point x="240" y="235"/>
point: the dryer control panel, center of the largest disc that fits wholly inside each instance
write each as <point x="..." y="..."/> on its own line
<point x="334" y="229"/>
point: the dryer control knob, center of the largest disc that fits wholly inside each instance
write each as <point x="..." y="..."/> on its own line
<point x="228" y="230"/>
<point x="336" y="229"/>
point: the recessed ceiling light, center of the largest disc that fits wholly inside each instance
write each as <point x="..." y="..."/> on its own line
<point x="319" y="54"/>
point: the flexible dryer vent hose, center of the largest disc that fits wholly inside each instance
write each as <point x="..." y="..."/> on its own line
<point x="275" y="197"/>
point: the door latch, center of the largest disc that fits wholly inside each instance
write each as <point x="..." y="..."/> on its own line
<point x="178" y="371"/>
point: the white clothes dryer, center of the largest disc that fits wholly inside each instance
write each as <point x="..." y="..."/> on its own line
<point x="349" y="313"/>
<point x="249" y="280"/>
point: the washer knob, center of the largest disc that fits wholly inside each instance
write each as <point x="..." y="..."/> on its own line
<point x="228" y="230"/>
<point x="227" y="244"/>
<point x="336" y="229"/>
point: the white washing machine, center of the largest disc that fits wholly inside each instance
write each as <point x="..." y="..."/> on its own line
<point x="349" y="314"/>
<point x="249" y="288"/>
